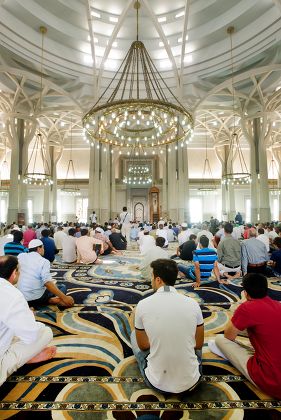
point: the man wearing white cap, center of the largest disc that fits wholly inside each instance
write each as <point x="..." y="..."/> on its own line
<point x="184" y="235"/>
<point x="35" y="280"/>
<point x="146" y="241"/>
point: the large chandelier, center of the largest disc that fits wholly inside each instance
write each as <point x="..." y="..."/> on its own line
<point x="70" y="174"/>
<point x="38" y="157"/>
<point x="242" y="176"/>
<point x="208" y="186"/>
<point x="137" y="113"/>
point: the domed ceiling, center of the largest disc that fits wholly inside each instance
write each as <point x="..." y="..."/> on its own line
<point x="86" y="42"/>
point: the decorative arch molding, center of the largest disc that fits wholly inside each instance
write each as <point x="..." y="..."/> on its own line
<point x="139" y="212"/>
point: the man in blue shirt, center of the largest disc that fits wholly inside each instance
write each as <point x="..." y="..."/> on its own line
<point x="205" y="261"/>
<point x="16" y="247"/>
<point x="35" y="280"/>
<point x="50" y="249"/>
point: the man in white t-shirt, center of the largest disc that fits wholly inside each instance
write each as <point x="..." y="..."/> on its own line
<point x="169" y="334"/>
<point x="162" y="233"/>
<point x="184" y="234"/>
<point x="125" y="220"/>
<point x="145" y="241"/>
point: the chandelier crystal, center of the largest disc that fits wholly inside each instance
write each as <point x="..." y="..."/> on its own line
<point x="137" y="112"/>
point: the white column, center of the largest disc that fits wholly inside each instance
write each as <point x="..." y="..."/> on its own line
<point x="105" y="184"/>
<point x="13" y="207"/>
<point x="183" y="185"/>
<point x="94" y="181"/>
<point x="172" y="185"/>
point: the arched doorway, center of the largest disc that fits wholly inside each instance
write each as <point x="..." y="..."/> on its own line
<point x="139" y="212"/>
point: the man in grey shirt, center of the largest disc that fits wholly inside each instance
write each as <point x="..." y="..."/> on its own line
<point x="229" y="254"/>
<point x="254" y="254"/>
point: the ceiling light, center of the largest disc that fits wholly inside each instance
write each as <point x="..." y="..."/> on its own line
<point x="179" y="15"/>
<point x="41" y="176"/>
<point x="162" y="19"/>
<point x="161" y="43"/>
<point x="180" y="39"/>
<point x="95" y="14"/>
<point x="113" y="19"/>
<point x="242" y="175"/>
<point x="188" y="58"/>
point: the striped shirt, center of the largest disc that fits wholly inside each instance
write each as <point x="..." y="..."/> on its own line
<point x="206" y="258"/>
<point x="14" y="248"/>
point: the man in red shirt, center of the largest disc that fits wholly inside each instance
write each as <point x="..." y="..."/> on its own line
<point x="261" y="316"/>
<point x="28" y="235"/>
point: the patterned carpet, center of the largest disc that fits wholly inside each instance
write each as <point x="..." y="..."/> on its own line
<point x="95" y="375"/>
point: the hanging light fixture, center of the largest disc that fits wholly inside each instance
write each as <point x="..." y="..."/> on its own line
<point x="38" y="157"/>
<point x="137" y="112"/>
<point x="138" y="170"/>
<point x="208" y="185"/>
<point x="235" y="151"/>
<point x="4" y="177"/>
<point x="276" y="191"/>
<point x="70" y="173"/>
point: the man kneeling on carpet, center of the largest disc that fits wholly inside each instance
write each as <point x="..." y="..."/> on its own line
<point x="261" y="316"/>
<point x="22" y="339"/>
<point x="35" y="280"/>
<point x="169" y="334"/>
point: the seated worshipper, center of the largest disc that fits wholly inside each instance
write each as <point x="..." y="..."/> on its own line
<point x="263" y="238"/>
<point x="206" y="232"/>
<point x="22" y="339"/>
<point x="254" y="254"/>
<point x="117" y="239"/>
<point x="50" y="249"/>
<point x="229" y="254"/>
<point x="86" y="246"/>
<point x="107" y="231"/>
<point x="15" y="247"/>
<point x="184" y="234"/>
<point x="58" y="236"/>
<point x="162" y="233"/>
<point x="275" y="259"/>
<point x="28" y="235"/>
<point x="170" y="234"/>
<point x="205" y="261"/>
<point x="169" y="334"/>
<point x="69" y="247"/>
<point x="185" y="251"/>
<point x="261" y="316"/>
<point x="35" y="280"/>
<point x="108" y="248"/>
<point x="146" y="241"/>
<point x="153" y="253"/>
<point x="134" y="232"/>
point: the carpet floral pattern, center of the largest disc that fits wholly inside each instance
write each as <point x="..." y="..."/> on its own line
<point x="94" y="374"/>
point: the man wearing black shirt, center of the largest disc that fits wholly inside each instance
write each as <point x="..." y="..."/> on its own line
<point x="185" y="251"/>
<point x="118" y="240"/>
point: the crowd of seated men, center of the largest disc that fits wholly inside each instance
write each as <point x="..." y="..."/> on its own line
<point x="253" y="252"/>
